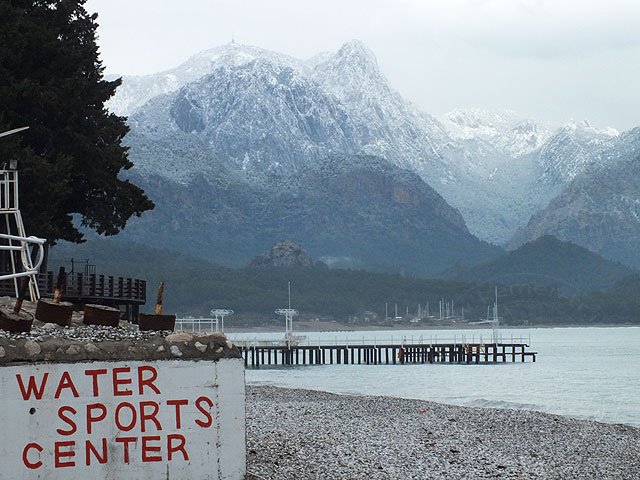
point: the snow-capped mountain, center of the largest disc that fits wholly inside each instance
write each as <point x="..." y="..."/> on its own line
<point x="136" y="90"/>
<point x="256" y="151"/>
<point x="600" y="208"/>
<point x="258" y="115"/>
<point x="270" y="115"/>
<point x="571" y="150"/>
<point x="505" y="131"/>
<point x="515" y="165"/>
<point x="387" y="125"/>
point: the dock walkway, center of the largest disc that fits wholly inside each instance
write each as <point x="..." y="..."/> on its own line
<point x="256" y="355"/>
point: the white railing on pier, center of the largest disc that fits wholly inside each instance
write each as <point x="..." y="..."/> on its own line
<point x="404" y="340"/>
<point x="197" y="325"/>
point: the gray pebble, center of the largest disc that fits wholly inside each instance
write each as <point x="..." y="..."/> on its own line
<point x="293" y="434"/>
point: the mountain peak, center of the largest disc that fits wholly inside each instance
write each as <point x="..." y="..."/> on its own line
<point x="586" y="126"/>
<point x="357" y="55"/>
<point x="137" y="90"/>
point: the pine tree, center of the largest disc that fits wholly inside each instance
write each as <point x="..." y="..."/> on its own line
<point x="71" y="158"/>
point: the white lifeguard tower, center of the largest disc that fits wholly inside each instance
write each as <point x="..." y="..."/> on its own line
<point x="13" y="239"/>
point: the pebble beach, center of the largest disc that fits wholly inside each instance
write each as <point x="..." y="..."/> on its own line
<point x="302" y="434"/>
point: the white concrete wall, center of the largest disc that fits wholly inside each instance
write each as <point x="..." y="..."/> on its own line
<point x="173" y="419"/>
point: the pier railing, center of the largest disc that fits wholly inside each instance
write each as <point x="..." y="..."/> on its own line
<point x="462" y="339"/>
<point x="81" y="287"/>
<point x="210" y="325"/>
<point x="197" y="325"/>
<point x="322" y="349"/>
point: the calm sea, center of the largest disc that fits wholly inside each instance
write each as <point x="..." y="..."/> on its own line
<point x="591" y="373"/>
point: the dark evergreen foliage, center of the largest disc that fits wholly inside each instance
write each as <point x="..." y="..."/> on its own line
<point x="548" y="261"/>
<point x="51" y="79"/>
<point x="194" y="286"/>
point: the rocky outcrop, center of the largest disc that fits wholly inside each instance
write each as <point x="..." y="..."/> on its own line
<point x="283" y="254"/>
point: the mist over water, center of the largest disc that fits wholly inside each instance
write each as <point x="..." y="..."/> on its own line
<point x="590" y="373"/>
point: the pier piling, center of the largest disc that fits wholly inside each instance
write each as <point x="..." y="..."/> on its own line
<point x="256" y="355"/>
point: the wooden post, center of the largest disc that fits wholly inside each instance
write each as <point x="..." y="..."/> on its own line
<point x="92" y="285"/>
<point x="80" y="279"/>
<point x="160" y="299"/>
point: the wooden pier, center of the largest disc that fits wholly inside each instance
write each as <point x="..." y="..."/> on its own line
<point x="385" y="354"/>
<point x="126" y="294"/>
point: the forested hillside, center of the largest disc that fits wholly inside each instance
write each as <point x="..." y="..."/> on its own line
<point x="193" y="287"/>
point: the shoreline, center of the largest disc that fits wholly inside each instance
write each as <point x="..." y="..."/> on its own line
<point x="514" y="407"/>
<point x="294" y="433"/>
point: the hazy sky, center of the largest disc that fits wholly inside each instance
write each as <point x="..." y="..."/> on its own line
<point x="549" y="59"/>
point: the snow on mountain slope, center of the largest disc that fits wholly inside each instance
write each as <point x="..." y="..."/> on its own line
<point x="506" y="131"/>
<point x="571" y="150"/>
<point x="135" y="91"/>
<point x="270" y="115"/>
<point x="260" y="117"/>
<point x="600" y="208"/>
<point x="261" y="112"/>
<point x="387" y="124"/>
<point x="515" y="165"/>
